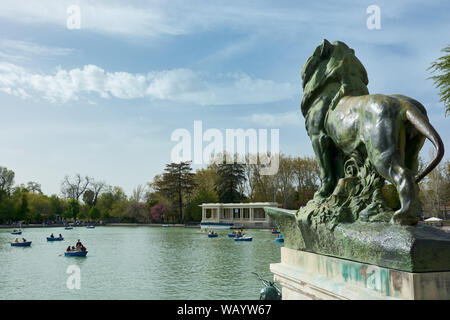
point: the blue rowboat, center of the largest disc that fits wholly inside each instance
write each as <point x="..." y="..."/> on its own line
<point x="275" y="231"/>
<point x="165" y="225"/>
<point x="16" y="232"/>
<point x="21" y="244"/>
<point x="278" y="240"/>
<point x="243" y="238"/>
<point x="90" y="227"/>
<point x="54" y="239"/>
<point x="68" y="228"/>
<point x="76" y="253"/>
<point x="213" y="235"/>
<point x="231" y="235"/>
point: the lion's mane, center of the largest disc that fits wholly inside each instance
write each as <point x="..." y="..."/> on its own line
<point x="332" y="63"/>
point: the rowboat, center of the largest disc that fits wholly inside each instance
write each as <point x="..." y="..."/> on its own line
<point x="75" y="253"/>
<point x="68" y="228"/>
<point x="234" y="235"/>
<point x="215" y="235"/>
<point x="243" y="238"/>
<point x="274" y="231"/>
<point x="16" y="232"/>
<point x="21" y="244"/>
<point x="90" y="227"/>
<point x="54" y="239"/>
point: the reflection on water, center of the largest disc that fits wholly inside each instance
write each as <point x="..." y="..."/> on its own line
<point x="137" y="263"/>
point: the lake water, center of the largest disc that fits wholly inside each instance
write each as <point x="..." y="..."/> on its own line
<point x="136" y="263"/>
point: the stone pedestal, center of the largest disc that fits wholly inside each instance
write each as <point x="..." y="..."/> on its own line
<point x="310" y="276"/>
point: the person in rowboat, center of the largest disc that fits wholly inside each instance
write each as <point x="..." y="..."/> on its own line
<point x="16" y="240"/>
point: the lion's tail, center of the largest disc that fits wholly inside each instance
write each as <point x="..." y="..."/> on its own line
<point x="421" y="123"/>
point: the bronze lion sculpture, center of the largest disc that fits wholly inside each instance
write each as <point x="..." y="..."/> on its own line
<point x="344" y="121"/>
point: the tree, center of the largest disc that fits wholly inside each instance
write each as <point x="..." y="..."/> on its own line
<point x="284" y="179"/>
<point x="231" y="177"/>
<point x="73" y="209"/>
<point x="74" y="188"/>
<point x="23" y="210"/>
<point x="307" y="175"/>
<point x="261" y="187"/>
<point x="435" y="190"/>
<point x="442" y="81"/>
<point x="88" y="198"/>
<point x="193" y="210"/>
<point x="57" y="205"/>
<point x="40" y="207"/>
<point x="108" y="199"/>
<point x="177" y="183"/>
<point x="94" y="213"/>
<point x="135" y="211"/>
<point x="6" y="181"/>
<point x="34" y="187"/>
<point x="157" y="212"/>
<point x="97" y="187"/>
<point x="138" y="193"/>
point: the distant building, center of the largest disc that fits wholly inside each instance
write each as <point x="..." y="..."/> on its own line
<point x="245" y="215"/>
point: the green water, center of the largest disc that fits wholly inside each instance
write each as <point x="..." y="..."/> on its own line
<point x="136" y="263"/>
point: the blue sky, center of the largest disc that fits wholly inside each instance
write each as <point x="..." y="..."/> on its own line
<point x="103" y="100"/>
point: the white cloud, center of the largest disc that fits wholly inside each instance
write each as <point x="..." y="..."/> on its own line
<point x="34" y="48"/>
<point x="155" y="18"/>
<point x="179" y="85"/>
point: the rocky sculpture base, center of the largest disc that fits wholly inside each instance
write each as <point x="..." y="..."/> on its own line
<point x="407" y="248"/>
<point x="309" y="276"/>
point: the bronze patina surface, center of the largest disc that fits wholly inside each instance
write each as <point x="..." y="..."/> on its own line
<point x="361" y="141"/>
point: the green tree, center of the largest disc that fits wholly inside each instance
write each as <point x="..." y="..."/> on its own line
<point x="177" y="183"/>
<point x="108" y="199"/>
<point x="94" y="213"/>
<point x="88" y="197"/>
<point x="193" y="210"/>
<point x="57" y="205"/>
<point x="40" y="207"/>
<point x="23" y="210"/>
<point x="6" y="181"/>
<point x="442" y="81"/>
<point x="73" y="209"/>
<point x="7" y="210"/>
<point x="231" y="177"/>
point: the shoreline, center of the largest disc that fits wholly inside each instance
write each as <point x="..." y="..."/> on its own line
<point x="4" y="226"/>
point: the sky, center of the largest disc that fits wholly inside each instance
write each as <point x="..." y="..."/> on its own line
<point x="103" y="99"/>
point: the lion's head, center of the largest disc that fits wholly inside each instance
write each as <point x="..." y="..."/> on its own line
<point x="332" y="63"/>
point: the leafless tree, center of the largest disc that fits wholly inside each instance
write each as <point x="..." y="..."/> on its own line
<point x="96" y="187"/>
<point x="139" y="193"/>
<point x="74" y="188"/>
